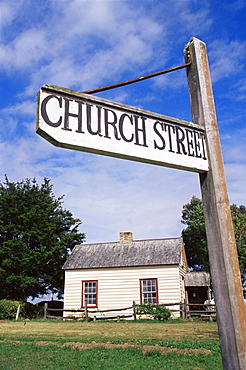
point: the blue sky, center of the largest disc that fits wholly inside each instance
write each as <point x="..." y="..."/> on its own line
<point x="86" y="44"/>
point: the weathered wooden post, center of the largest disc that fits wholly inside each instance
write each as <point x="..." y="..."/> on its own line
<point x="18" y="312"/>
<point x="184" y="309"/>
<point x="86" y="311"/>
<point x="45" y="310"/>
<point x="134" y="310"/>
<point x="222" y="249"/>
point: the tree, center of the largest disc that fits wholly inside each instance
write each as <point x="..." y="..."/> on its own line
<point x="195" y="235"/>
<point x="36" y="236"/>
<point x="239" y="221"/>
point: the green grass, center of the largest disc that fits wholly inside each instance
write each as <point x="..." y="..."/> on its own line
<point x="31" y="356"/>
<point x="184" y="339"/>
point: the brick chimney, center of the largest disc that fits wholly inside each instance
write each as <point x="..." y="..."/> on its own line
<point x="126" y="237"/>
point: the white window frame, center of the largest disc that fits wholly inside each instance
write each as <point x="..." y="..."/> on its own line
<point x="149" y="290"/>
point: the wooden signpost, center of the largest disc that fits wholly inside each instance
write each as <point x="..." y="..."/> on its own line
<point x="222" y="248"/>
<point x="83" y="122"/>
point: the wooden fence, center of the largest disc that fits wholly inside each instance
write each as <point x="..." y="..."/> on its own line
<point x="184" y="310"/>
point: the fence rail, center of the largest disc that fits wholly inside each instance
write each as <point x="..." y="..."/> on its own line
<point x="185" y="310"/>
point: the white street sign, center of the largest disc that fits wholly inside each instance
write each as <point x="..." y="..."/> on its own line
<point x="78" y="121"/>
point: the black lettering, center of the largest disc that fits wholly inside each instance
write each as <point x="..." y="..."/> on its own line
<point x="156" y="146"/>
<point x="106" y="113"/>
<point x="197" y="145"/>
<point x="121" y="121"/>
<point x="190" y="143"/>
<point x="168" y="128"/>
<point x="202" y="137"/>
<point x="180" y="139"/>
<point x="137" y="129"/>
<point x="67" y="114"/>
<point x="88" y="113"/>
<point x="44" y="111"/>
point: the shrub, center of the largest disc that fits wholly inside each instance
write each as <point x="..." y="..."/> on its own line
<point x="30" y="310"/>
<point x="8" y="309"/>
<point x="156" y="311"/>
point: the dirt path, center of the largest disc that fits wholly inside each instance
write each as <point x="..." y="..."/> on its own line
<point x="143" y="348"/>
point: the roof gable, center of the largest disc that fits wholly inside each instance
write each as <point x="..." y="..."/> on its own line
<point x="136" y="253"/>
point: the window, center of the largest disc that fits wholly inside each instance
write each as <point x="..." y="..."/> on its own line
<point x="89" y="293"/>
<point x="149" y="291"/>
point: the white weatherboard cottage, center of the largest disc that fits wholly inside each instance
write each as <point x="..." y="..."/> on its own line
<point x="112" y="275"/>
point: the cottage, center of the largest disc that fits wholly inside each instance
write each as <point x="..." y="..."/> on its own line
<point x="113" y="275"/>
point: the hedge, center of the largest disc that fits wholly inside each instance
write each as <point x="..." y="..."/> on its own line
<point x="8" y="309"/>
<point x="156" y="311"/>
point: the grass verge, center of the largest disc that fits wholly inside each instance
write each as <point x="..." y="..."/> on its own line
<point x="30" y="356"/>
<point x="109" y="345"/>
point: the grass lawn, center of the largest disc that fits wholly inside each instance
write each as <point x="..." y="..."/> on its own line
<point x="143" y="345"/>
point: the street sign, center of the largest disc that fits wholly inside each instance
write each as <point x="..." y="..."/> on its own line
<point x="83" y="122"/>
<point x="79" y="121"/>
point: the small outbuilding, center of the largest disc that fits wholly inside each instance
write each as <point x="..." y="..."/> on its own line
<point x="197" y="287"/>
<point x="108" y="276"/>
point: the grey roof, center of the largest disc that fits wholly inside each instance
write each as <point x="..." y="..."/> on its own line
<point x="199" y="278"/>
<point x="135" y="253"/>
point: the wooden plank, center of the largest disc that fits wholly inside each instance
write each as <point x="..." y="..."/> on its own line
<point x="219" y="228"/>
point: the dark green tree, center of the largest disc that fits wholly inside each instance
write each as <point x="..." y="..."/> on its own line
<point x="36" y="236"/>
<point x="239" y="222"/>
<point x="194" y="235"/>
<point x="195" y="239"/>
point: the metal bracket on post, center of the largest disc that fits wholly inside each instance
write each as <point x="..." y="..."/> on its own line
<point x="138" y="79"/>
<point x="231" y="314"/>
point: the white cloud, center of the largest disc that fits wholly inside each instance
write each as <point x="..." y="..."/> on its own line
<point x="108" y="194"/>
<point x="236" y="180"/>
<point x="174" y="80"/>
<point x="110" y="201"/>
<point x="227" y="59"/>
<point x="86" y="44"/>
<point x="195" y="22"/>
<point x="235" y="5"/>
<point x="234" y="144"/>
<point x="27" y="107"/>
<point x="240" y="89"/>
<point x="8" y="11"/>
<point x="25" y="51"/>
<point x="99" y="42"/>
